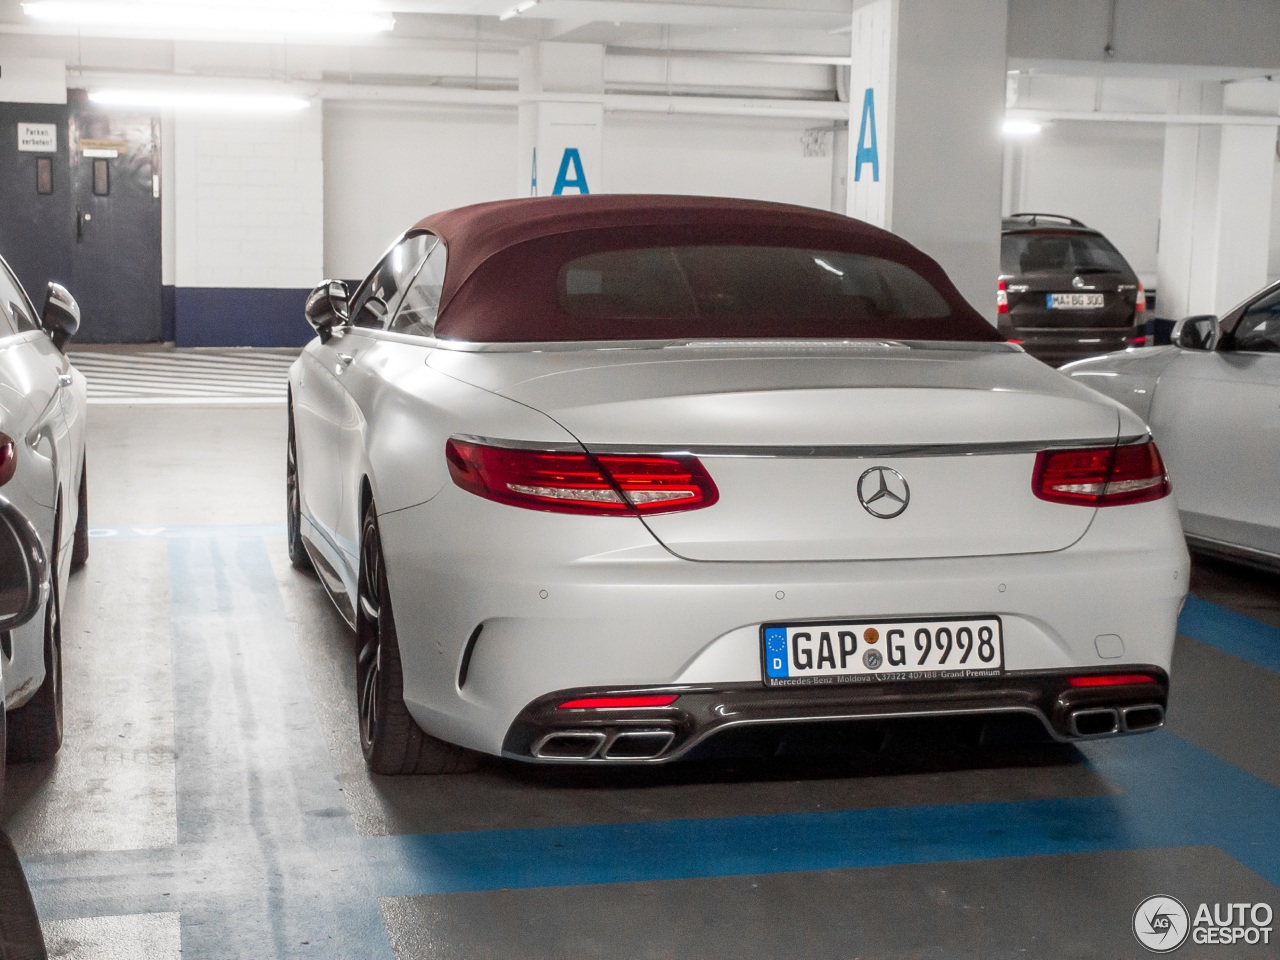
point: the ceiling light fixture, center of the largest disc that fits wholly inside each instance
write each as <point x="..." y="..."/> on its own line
<point x="518" y="9"/>
<point x="220" y="18"/>
<point x="203" y="101"/>
<point x="1017" y="129"/>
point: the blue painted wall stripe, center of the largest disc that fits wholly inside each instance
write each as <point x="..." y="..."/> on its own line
<point x="1231" y="632"/>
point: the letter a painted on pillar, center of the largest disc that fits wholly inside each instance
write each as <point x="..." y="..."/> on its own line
<point x="868" y="151"/>
<point x="563" y="180"/>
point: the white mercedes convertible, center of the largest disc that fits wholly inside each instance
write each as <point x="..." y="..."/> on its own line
<point x="596" y="478"/>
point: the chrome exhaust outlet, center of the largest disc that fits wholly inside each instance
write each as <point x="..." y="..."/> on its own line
<point x="568" y="745"/>
<point x="1143" y="716"/>
<point x="638" y="744"/>
<point x="1095" y="722"/>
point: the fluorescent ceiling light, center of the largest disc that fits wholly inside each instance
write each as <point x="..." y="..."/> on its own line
<point x="219" y="18"/>
<point x="1021" y="129"/>
<point x="205" y="101"/>
<point x="519" y="8"/>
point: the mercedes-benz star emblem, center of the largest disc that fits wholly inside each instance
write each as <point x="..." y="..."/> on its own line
<point x="883" y="493"/>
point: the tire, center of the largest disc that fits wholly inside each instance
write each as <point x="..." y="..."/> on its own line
<point x="20" y="934"/>
<point x="297" y="550"/>
<point x="392" y="742"/>
<point x="35" y="728"/>
<point x="80" y="546"/>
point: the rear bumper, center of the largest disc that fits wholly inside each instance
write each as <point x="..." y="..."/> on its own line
<point x="547" y="734"/>
<point x="1056" y="347"/>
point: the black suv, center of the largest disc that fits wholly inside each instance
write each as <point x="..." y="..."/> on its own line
<point x="1065" y="292"/>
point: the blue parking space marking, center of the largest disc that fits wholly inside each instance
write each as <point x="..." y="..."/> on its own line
<point x="1231" y="632"/>
<point x="1173" y="795"/>
<point x="259" y="531"/>
<point x="269" y="858"/>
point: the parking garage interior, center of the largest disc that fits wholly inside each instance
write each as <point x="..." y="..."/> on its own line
<point x="190" y="172"/>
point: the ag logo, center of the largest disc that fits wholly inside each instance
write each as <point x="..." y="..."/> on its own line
<point x="1161" y="924"/>
<point x="883" y="492"/>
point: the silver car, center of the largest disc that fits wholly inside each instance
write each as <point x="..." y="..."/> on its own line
<point x="596" y="478"/>
<point x="42" y="475"/>
<point x="1213" y="401"/>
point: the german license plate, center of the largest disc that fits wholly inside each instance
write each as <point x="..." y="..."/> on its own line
<point x="869" y="651"/>
<point x="1074" y="301"/>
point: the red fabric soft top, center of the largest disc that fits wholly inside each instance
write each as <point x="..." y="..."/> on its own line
<point x="504" y="256"/>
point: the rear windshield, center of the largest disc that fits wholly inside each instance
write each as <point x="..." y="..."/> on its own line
<point x="1053" y="252"/>
<point x="746" y="290"/>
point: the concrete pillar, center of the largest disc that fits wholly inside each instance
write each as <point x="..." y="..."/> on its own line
<point x="560" y="134"/>
<point x="1215" y="204"/>
<point x="926" y="100"/>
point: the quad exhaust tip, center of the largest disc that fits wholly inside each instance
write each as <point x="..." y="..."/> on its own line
<point x="1108" y="721"/>
<point x="600" y="745"/>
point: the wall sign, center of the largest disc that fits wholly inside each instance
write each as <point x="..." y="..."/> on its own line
<point x="38" y="137"/>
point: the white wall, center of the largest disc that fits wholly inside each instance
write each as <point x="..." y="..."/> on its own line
<point x="760" y="159"/>
<point x="248" y="201"/>
<point x="1106" y="174"/>
<point x="386" y="167"/>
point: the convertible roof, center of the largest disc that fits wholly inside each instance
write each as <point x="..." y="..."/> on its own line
<point x="504" y="256"/>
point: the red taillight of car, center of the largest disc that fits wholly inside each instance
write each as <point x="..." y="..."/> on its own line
<point x="8" y="458"/>
<point x="1140" y="305"/>
<point x="1110" y="680"/>
<point x="604" y="485"/>
<point x="619" y="703"/>
<point x="1138" y="341"/>
<point x="1002" y="297"/>
<point x="1101" y="477"/>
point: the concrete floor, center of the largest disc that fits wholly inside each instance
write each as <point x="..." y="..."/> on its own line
<point x="211" y="802"/>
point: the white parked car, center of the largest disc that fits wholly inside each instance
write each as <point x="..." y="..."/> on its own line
<point x="43" y="477"/>
<point x="1213" y="402"/>
<point x="595" y="478"/>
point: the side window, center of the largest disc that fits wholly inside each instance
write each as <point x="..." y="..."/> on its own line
<point x="15" y="312"/>
<point x="417" y="312"/>
<point x="389" y="279"/>
<point x="1259" y="326"/>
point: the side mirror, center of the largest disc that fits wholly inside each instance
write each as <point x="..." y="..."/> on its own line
<point x="61" y="316"/>
<point x="24" y="568"/>
<point x="1200" y="332"/>
<point x="327" y="308"/>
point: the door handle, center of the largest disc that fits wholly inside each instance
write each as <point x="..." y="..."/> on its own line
<point x="65" y="380"/>
<point x="81" y="219"/>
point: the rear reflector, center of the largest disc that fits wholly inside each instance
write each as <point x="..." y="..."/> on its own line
<point x="1101" y="477"/>
<point x="1110" y="680"/>
<point x="606" y="485"/>
<point x="618" y="703"/>
<point x="8" y="459"/>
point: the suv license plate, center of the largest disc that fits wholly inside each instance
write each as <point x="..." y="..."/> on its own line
<point x="1074" y="301"/>
<point x="871" y="651"/>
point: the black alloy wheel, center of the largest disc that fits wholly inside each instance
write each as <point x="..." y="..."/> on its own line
<point x="391" y="740"/>
<point x="35" y="729"/>
<point x="80" y="546"/>
<point x="297" y="551"/>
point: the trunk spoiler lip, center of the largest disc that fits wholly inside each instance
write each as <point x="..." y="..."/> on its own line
<point x="861" y="345"/>
<point x="809" y="451"/>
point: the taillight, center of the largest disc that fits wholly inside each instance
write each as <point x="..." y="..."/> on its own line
<point x="1101" y="477"/>
<point x="1110" y="680"/>
<point x="8" y="458"/>
<point x="604" y="485"/>
<point x="1002" y="297"/>
<point x="619" y="703"/>
<point x="1140" y="305"/>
